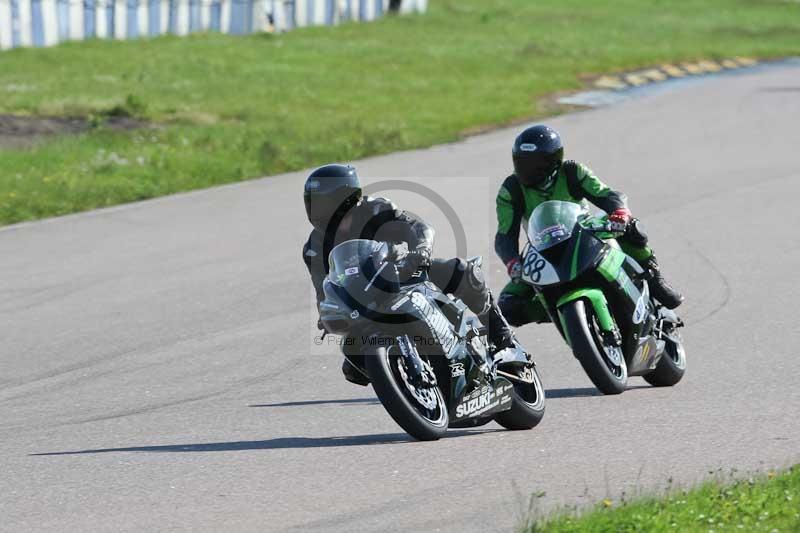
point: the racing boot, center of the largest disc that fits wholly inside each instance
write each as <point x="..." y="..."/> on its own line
<point x="659" y="288"/>
<point x="499" y="331"/>
<point x="354" y="375"/>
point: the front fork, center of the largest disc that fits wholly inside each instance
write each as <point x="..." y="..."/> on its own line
<point x="608" y="329"/>
<point x="420" y="373"/>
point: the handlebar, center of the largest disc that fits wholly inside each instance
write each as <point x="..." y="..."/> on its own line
<point x="399" y="253"/>
<point x="603" y="228"/>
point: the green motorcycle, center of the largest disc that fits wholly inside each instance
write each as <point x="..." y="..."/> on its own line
<point x="598" y="298"/>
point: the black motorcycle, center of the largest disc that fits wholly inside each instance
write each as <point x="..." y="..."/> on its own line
<point x="429" y="362"/>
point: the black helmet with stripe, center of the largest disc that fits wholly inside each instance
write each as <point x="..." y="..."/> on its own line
<point x="537" y="156"/>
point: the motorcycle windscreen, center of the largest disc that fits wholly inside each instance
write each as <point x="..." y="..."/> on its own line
<point x="359" y="270"/>
<point x="553" y="222"/>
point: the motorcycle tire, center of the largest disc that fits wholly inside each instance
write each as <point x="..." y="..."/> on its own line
<point x="527" y="405"/>
<point x="588" y="347"/>
<point x="400" y="402"/>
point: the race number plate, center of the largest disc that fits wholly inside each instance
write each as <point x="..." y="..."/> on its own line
<point x="536" y="270"/>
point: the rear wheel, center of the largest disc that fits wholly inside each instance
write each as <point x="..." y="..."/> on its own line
<point x="671" y="366"/>
<point x="422" y="412"/>
<point x="603" y="362"/>
<point x="527" y="402"/>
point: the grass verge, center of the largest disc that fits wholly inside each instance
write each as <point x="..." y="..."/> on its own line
<point x="769" y="504"/>
<point x="231" y="108"/>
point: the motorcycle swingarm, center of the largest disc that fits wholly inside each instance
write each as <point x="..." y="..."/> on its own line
<point x="516" y="358"/>
<point x="527" y="380"/>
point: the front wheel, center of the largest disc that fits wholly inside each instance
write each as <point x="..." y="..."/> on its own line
<point x="672" y="365"/>
<point x="527" y="402"/>
<point x="422" y="412"/>
<point x="604" y="364"/>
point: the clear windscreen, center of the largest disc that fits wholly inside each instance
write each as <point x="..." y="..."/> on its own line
<point x="351" y="258"/>
<point x="553" y="222"/>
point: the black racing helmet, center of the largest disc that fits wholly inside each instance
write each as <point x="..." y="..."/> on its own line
<point x="328" y="190"/>
<point x="537" y="156"/>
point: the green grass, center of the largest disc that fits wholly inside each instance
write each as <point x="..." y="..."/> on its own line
<point x="231" y="108"/>
<point x="769" y="504"/>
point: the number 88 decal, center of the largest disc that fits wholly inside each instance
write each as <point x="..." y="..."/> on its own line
<point x="533" y="266"/>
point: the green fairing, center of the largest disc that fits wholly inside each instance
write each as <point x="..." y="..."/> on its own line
<point x="609" y="267"/>
<point x="574" y="268"/>
<point x="599" y="303"/>
<point x="628" y="286"/>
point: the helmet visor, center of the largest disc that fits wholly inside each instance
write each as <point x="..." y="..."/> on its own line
<point x="536" y="168"/>
<point x="322" y="207"/>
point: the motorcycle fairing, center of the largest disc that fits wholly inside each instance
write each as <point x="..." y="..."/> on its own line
<point x="485" y="401"/>
<point x="599" y="304"/>
<point x="564" y="262"/>
<point x="646" y="356"/>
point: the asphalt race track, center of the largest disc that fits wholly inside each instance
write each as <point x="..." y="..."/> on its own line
<point x="158" y="369"/>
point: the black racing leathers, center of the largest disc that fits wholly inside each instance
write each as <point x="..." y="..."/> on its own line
<point x="380" y="220"/>
<point x="375" y="219"/>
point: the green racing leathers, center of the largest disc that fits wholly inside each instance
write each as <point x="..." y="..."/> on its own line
<point x="574" y="182"/>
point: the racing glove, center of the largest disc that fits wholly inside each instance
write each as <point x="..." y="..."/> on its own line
<point x="408" y="262"/>
<point x="514" y="268"/>
<point x="411" y="264"/>
<point x="619" y="219"/>
<point x="398" y="251"/>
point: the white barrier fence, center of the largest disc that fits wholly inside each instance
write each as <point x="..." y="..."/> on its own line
<point x="49" y="22"/>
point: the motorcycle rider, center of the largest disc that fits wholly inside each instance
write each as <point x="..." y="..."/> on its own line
<point x="339" y="212"/>
<point x="541" y="174"/>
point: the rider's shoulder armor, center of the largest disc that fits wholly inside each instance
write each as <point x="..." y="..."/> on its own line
<point x="375" y="205"/>
<point x="511" y="193"/>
